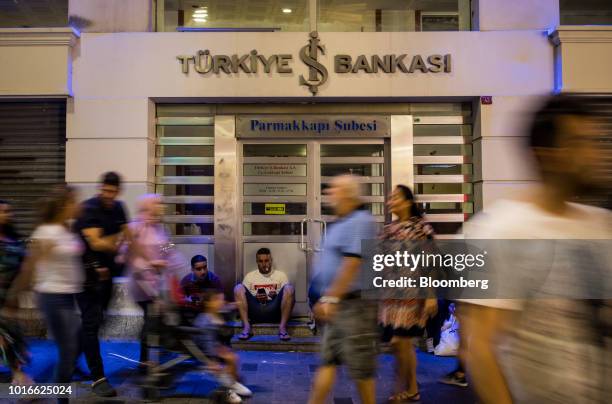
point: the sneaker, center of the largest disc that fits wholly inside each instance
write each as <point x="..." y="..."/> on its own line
<point x="430" y="345"/>
<point x="241" y="389"/>
<point x="232" y="397"/>
<point x="454" y="379"/>
<point x="103" y="388"/>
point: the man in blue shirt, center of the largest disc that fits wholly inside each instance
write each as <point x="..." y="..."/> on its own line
<point x="350" y="334"/>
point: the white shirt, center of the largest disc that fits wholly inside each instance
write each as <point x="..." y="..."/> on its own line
<point x="512" y="219"/>
<point x="552" y="349"/>
<point x="59" y="270"/>
<point x="272" y="281"/>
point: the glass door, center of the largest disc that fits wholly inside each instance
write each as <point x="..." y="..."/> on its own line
<point x="366" y="159"/>
<point x="277" y="198"/>
<point x="283" y="206"/>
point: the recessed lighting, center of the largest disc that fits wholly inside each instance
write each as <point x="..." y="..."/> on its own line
<point x="200" y="12"/>
<point x="199" y="19"/>
<point x="287" y="10"/>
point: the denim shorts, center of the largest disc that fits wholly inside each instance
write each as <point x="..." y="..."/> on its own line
<point x="264" y="313"/>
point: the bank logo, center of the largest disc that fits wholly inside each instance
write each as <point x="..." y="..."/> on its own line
<point x="317" y="73"/>
<point x="253" y="64"/>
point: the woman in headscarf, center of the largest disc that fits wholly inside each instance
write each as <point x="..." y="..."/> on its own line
<point x="149" y="255"/>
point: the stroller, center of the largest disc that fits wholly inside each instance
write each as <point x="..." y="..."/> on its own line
<point x="168" y="333"/>
<point x="169" y="330"/>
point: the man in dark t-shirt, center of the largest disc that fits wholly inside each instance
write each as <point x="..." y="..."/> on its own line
<point x="103" y="227"/>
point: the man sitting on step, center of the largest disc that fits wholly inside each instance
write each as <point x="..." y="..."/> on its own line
<point x="264" y="296"/>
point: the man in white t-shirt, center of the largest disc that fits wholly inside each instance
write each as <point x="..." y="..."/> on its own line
<point x="264" y="296"/>
<point x="549" y="345"/>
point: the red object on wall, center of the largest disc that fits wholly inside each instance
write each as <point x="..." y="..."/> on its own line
<point x="486" y="100"/>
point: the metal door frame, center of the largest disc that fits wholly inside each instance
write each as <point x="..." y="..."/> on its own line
<point x="313" y="191"/>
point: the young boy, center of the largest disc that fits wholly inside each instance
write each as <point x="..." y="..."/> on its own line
<point x="224" y="360"/>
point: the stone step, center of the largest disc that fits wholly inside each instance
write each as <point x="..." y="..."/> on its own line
<point x="296" y="328"/>
<point x="273" y="343"/>
<point x="296" y="344"/>
<point x="127" y="326"/>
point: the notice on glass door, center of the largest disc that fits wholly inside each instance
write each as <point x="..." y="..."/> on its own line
<point x="275" y="209"/>
<point x="274" y="189"/>
<point x="275" y="170"/>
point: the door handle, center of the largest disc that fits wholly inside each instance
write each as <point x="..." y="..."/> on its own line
<point x="323" y="233"/>
<point x="303" y="245"/>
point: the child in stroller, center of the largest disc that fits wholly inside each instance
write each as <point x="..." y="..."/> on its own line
<point x="209" y="323"/>
<point x="170" y="329"/>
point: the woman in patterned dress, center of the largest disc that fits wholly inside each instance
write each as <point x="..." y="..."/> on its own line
<point x="404" y="319"/>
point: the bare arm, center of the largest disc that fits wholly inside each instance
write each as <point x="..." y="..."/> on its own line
<point x="349" y="271"/>
<point x="97" y="242"/>
<point x="482" y="326"/>
<point x="111" y="243"/>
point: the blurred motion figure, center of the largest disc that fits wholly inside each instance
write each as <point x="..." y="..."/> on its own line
<point x="549" y="347"/>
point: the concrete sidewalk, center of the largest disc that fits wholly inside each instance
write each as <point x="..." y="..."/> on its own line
<point x="275" y="377"/>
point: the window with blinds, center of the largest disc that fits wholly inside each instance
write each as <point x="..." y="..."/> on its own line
<point x="32" y="155"/>
<point x="442" y="138"/>
<point x="185" y="173"/>
<point x="601" y="195"/>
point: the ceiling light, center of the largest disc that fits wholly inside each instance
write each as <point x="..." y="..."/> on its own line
<point x="199" y="19"/>
<point x="287" y="10"/>
<point x="200" y="12"/>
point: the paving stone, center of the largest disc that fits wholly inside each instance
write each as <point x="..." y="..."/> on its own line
<point x="249" y="367"/>
<point x="273" y="376"/>
<point x="343" y="400"/>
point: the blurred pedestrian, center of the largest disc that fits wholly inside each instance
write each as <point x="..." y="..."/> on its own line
<point x="404" y="319"/>
<point x="54" y="265"/>
<point x="12" y="251"/>
<point x="349" y="336"/>
<point x="145" y="259"/>
<point x="223" y="360"/>
<point x="554" y="346"/>
<point x="102" y="225"/>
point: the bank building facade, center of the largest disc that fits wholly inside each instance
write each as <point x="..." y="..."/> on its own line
<point x="240" y="112"/>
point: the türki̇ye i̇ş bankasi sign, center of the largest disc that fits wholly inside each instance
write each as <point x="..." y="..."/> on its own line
<point x="205" y="62"/>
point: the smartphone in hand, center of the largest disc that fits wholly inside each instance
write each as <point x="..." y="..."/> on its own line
<point x="262" y="295"/>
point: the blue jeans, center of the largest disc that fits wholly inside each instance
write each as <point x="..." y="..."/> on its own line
<point x="62" y="320"/>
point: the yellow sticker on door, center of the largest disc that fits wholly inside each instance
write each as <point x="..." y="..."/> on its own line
<point x="275" y="208"/>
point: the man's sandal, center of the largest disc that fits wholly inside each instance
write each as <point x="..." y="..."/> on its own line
<point x="284" y="336"/>
<point x="244" y="336"/>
